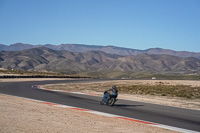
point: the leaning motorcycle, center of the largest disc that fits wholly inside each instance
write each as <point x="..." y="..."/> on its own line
<point x="110" y="100"/>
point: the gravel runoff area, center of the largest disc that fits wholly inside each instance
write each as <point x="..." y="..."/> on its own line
<point x="23" y="115"/>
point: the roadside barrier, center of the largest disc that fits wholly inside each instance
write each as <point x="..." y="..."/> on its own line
<point x="42" y="76"/>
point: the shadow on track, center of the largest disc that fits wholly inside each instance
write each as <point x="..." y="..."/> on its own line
<point x="124" y="105"/>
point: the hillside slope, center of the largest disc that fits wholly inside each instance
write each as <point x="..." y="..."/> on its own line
<point x="74" y="62"/>
<point x="107" y="49"/>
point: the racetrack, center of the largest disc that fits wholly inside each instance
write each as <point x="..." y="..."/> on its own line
<point x="177" y="117"/>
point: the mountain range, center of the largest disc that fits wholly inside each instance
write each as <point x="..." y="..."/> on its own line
<point x="96" y="62"/>
<point x="107" y="49"/>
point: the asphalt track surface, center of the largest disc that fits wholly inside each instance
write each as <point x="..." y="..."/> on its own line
<point x="171" y="116"/>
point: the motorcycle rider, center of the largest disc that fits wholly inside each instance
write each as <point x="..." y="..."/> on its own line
<point x="107" y="93"/>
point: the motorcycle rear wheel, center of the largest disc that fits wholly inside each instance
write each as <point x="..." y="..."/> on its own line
<point x="111" y="101"/>
<point x="101" y="102"/>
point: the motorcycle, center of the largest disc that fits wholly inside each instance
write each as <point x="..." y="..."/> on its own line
<point x="111" y="99"/>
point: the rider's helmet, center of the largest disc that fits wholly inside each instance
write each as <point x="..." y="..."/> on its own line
<point x="114" y="87"/>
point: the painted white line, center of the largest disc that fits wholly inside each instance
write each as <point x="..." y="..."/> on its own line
<point x="175" y="129"/>
<point x="63" y="106"/>
<point x="78" y="93"/>
<point x="42" y="88"/>
<point x="102" y="113"/>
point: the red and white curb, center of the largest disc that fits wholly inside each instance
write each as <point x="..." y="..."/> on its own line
<point x="110" y="115"/>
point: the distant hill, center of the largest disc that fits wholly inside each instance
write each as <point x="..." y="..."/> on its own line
<point x="43" y="58"/>
<point x="106" y="49"/>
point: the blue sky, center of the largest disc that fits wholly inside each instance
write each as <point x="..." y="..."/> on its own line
<point x="137" y="24"/>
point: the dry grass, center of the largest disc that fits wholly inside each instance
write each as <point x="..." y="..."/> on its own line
<point x="185" y="91"/>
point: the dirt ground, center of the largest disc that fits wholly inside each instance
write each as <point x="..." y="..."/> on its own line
<point x="22" y="115"/>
